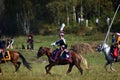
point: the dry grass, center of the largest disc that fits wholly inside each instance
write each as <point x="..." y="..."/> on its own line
<point x="96" y="72"/>
<point x="96" y="62"/>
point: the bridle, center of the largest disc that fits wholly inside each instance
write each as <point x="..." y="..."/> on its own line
<point x="101" y="47"/>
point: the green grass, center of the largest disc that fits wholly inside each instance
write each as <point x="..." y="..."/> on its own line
<point x="96" y="63"/>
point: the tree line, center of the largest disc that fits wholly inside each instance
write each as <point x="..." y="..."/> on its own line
<point x="21" y="17"/>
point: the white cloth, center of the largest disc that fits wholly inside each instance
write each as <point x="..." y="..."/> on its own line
<point x="53" y="44"/>
<point x="67" y="56"/>
<point x="118" y="34"/>
<point x="62" y="27"/>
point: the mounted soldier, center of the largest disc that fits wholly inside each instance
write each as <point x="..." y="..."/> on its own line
<point x="2" y="49"/>
<point x="62" y="51"/>
<point x="115" y="47"/>
<point x="118" y="38"/>
<point x="10" y="43"/>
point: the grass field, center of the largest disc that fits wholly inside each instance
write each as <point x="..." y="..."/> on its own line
<point x="96" y="62"/>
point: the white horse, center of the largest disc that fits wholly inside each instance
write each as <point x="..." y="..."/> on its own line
<point x="109" y="58"/>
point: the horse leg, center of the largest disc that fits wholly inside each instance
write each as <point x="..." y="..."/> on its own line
<point x="16" y="69"/>
<point x="77" y="64"/>
<point x="18" y="65"/>
<point x="46" y="68"/>
<point x="112" y="67"/>
<point x="105" y="66"/>
<point x="49" y="67"/>
<point x="70" y="68"/>
<point x="0" y="71"/>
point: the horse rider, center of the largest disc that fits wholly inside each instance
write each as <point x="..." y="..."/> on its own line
<point x="115" y="48"/>
<point x="10" y="43"/>
<point x="118" y="38"/>
<point x="2" y="48"/>
<point x="62" y="48"/>
<point x="113" y="43"/>
<point x="118" y="42"/>
<point x="113" y="39"/>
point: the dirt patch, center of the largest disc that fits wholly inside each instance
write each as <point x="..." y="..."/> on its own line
<point x="84" y="48"/>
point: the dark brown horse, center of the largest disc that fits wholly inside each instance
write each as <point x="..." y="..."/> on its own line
<point x="76" y="60"/>
<point x="13" y="57"/>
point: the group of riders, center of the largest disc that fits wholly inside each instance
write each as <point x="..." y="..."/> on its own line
<point x="62" y="51"/>
<point x="115" y="46"/>
<point x="6" y="44"/>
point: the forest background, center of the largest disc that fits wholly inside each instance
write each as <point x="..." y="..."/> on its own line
<point x="44" y="17"/>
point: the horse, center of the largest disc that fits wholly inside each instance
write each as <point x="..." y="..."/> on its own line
<point x="76" y="60"/>
<point x="108" y="56"/>
<point x="13" y="57"/>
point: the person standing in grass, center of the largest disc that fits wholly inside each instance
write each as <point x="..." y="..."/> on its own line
<point x="30" y="42"/>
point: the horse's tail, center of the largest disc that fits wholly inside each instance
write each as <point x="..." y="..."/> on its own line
<point x="26" y="64"/>
<point x="85" y="63"/>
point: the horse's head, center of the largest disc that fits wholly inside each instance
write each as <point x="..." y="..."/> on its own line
<point x="44" y="50"/>
<point x="101" y="47"/>
<point x="41" y="51"/>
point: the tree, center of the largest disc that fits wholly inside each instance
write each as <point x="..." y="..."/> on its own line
<point x="19" y="15"/>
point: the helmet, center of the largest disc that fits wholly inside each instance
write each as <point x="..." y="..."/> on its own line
<point x="61" y="34"/>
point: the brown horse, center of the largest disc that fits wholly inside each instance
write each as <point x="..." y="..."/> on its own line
<point x="13" y="57"/>
<point x="76" y="60"/>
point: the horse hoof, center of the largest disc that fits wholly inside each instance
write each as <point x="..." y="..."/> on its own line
<point x="15" y="73"/>
<point x="1" y="74"/>
<point x="48" y="73"/>
<point x="114" y="70"/>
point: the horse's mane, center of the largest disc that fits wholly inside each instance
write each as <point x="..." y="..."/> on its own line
<point x="47" y="50"/>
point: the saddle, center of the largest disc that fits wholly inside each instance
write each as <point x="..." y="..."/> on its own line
<point x="5" y="56"/>
<point x="62" y="55"/>
<point x="66" y="56"/>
